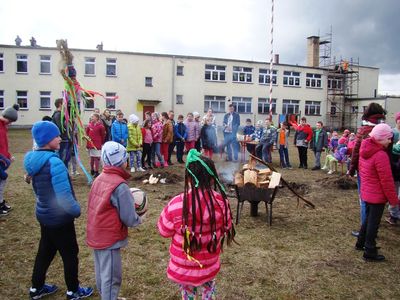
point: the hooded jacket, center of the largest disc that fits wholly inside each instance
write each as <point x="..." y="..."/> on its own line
<point x="56" y="204"/>
<point x="97" y="134"/>
<point x="303" y="135"/>
<point x="119" y="132"/>
<point x="377" y="184"/>
<point x="135" y="138"/>
<point x="4" y="140"/>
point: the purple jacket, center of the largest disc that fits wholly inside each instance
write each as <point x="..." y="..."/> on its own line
<point x="340" y="154"/>
<point x="192" y="131"/>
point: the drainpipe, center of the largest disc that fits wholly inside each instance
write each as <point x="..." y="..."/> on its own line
<point x="173" y="84"/>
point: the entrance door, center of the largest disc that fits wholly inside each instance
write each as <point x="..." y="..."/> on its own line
<point x="149" y="108"/>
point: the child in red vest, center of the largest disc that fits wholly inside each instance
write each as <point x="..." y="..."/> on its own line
<point x="111" y="211"/>
<point x="97" y="134"/>
<point x="201" y="237"/>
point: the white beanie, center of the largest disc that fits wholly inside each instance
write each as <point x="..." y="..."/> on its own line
<point x="196" y="114"/>
<point x="133" y="118"/>
<point x="113" y="154"/>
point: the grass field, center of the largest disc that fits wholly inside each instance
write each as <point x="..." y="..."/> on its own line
<point x="306" y="254"/>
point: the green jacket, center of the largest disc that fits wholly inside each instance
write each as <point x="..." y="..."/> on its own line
<point x="134" y="137"/>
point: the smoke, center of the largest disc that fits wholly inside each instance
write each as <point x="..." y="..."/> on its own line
<point x="226" y="170"/>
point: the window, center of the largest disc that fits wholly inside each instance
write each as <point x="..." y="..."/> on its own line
<point x="89" y="103"/>
<point x="1" y="99"/>
<point x="263" y="76"/>
<point x="242" y="104"/>
<point x="1" y="62"/>
<point x="313" y="108"/>
<point x="179" y="99"/>
<point x="335" y="83"/>
<point x="333" y="108"/>
<point x="216" y="103"/>
<point x="90" y="66"/>
<point x="290" y="107"/>
<point x="179" y="70"/>
<point x="215" y="73"/>
<point x="111" y="67"/>
<point x="242" y="74"/>
<point x="110" y="100"/>
<point x="148" y="81"/>
<point x="22" y="99"/>
<point x="263" y="106"/>
<point x="291" y="78"/>
<point x="45" y="100"/>
<point x="45" y="62"/>
<point x="313" y="80"/>
<point x="22" y="63"/>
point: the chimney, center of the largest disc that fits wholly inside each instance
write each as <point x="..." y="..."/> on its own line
<point x="313" y="51"/>
<point x="276" y="59"/>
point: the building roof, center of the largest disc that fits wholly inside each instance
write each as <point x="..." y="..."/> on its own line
<point x="172" y="56"/>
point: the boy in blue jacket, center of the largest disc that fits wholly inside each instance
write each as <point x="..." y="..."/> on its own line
<point x="119" y="130"/>
<point x="180" y="136"/>
<point x="56" y="210"/>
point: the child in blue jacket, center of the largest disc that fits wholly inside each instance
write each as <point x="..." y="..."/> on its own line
<point x="56" y="210"/>
<point x="180" y="136"/>
<point x="119" y="130"/>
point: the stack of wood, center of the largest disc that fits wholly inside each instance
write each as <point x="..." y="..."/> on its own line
<point x="261" y="178"/>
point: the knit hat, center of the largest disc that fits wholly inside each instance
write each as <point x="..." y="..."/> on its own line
<point x="133" y="118"/>
<point x="44" y="132"/>
<point x="381" y="132"/>
<point x="196" y="114"/>
<point x="113" y="154"/>
<point x="346" y="131"/>
<point x="397" y="116"/>
<point x="11" y="113"/>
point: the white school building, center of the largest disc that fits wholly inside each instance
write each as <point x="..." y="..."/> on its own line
<point x="336" y="94"/>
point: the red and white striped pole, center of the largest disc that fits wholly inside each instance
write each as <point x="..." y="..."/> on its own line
<point x="271" y="61"/>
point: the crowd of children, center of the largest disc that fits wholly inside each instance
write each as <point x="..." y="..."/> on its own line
<point x="199" y="220"/>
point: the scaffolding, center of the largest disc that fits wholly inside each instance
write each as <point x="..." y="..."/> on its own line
<point x="343" y="84"/>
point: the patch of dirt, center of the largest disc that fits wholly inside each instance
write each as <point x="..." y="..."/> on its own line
<point x="171" y="178"/>
<point x="341" y="182"/>
<point x="300" y="188"/>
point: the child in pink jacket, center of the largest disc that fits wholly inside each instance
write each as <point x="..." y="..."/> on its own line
<point x="201" y="237"/>
<point x="377" y="187"/>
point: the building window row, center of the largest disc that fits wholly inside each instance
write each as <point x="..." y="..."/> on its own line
<point x="264" y="76"/>
<point x="291" y="78"/>
<point x="244" y="105"/>
<point x="313" y="80"/>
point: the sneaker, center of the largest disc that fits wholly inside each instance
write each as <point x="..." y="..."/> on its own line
<point x="170" y="163"/>
<point x="141" y="169"/>
<point x="391" y="220"/>
<point x="330" y="172"/>
<point x="47" y="289"/>
<point x="355" y="233"/>
<point x="132" y="170"/>
<point x="5" y="206"/>
<point x="3" y="212"/>
<point x="315" y="168"/>
<point x="324" y="168"/>
<point x="83" y="292"/>
<point x="165" y="164"/>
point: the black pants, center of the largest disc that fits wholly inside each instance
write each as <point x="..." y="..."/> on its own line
<point x="146" y="155"/>
<point x="170" y="150"/>
<point x="180" y="146"/>
<point x="302" y="156"/>
<point x="63" y="240"/>
<point x="369" y="229"/>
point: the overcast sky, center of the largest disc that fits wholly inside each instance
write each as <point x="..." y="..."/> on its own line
<point x="363" y="29"/>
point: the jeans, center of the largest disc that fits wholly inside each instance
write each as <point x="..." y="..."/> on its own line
<point x="63" y="240"/>
<point x="65" y="152"/>
<point x="317" y="156"/>
<point x="363" y="207"/>
<point x="232" y="145"/>
<point x="264" y="152"/>
<point x="394" y="210"/>
<point x="156" y="151"/>
<point x="284" y="156"/>
<point x="180" y="146"/>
